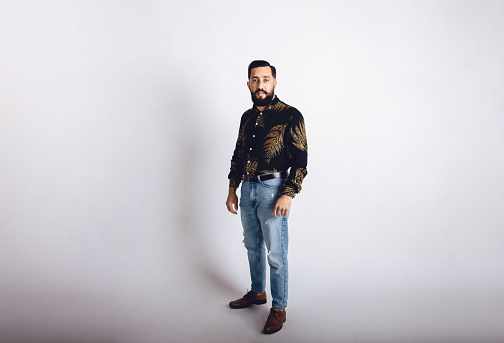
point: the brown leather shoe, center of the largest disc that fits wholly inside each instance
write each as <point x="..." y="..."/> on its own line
<point x="275" y="321"/>
<point x="251" y="298"/>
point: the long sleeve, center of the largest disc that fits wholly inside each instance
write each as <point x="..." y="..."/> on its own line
<point x="236" y="170"/>
<point x="297" y="149"/>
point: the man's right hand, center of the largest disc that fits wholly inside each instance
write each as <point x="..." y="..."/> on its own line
<point x="232" y="201"/>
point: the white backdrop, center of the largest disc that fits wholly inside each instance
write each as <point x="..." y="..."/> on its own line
<point x="118" y="121"/>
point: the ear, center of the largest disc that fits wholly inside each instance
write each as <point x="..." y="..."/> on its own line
<point x="248" y="84"/>
<point x="275" y="83"/>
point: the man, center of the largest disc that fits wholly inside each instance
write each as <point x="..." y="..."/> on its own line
<point x="271" y="141"/>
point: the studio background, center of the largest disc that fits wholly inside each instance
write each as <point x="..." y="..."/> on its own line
<point x="117" y="124"/>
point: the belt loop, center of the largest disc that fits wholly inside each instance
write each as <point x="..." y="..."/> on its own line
<point x="259" y="178"/>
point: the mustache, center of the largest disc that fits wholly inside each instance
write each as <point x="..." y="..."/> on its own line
<point x="260" y="90"/>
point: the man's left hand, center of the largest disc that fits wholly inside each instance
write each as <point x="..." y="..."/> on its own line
<point x="282" y="206"/>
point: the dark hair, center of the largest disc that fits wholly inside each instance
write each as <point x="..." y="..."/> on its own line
<point x="261" y="63"/>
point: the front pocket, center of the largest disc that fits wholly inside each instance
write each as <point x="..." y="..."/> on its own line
<point x="273" y="183"/>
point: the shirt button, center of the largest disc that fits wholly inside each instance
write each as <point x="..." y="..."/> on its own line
<point x="250" y="148"/>
<point x="260" y="114"/>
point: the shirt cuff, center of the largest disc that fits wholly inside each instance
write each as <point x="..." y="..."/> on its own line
<point x="234" y="183"/>
<point x="289" y="191"/>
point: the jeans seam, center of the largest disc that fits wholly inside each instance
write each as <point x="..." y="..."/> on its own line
<point x="284" y="262"/>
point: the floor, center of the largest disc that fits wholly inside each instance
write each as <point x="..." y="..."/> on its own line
<point x="192" y="307"/>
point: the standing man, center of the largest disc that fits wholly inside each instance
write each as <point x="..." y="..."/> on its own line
<point x="271" y="140"/>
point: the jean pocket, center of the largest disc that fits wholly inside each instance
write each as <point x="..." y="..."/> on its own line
<point x="273" y="183"/>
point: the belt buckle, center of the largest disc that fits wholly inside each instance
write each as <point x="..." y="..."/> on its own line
<point x="251" y="179"/>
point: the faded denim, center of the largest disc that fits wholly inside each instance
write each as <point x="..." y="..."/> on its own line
<point x="265" y="236"/>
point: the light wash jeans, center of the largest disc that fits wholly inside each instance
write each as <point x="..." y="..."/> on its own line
<point x="265" y="233"/>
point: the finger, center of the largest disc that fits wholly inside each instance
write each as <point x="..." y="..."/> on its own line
<point x="230" y="208"/>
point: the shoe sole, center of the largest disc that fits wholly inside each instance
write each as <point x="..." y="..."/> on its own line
<point x="260" y="302"/>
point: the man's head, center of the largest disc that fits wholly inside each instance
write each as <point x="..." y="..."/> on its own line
<point x="262" y="82"/>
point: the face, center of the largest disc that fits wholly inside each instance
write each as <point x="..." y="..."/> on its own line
<point x="262" y="86"/>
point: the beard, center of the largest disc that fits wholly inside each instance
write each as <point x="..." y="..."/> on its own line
<point x="258" y="102"/>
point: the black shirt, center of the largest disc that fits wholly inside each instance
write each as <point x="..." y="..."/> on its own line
<point x="270" y="141"/>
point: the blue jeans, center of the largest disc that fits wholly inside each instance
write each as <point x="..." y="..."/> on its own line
<point x="265" y="233"/>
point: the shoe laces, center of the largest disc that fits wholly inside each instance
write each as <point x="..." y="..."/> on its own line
<point x="251" y="294"/>
<point x="276" y="314"/>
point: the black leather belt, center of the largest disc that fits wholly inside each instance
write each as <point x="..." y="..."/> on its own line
<point x="265" y="177"/>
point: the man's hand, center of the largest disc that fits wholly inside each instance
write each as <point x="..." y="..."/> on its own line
<point x="232" y="201"/>
<point x="282" y="206"/>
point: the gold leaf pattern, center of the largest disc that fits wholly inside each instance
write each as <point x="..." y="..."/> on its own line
<point x="298" y="178"/>
<point x="260" y="121"/>
<point x="289" y="191"/>
<point x="299" y="137"/>
<point x="279" y="107"/>
<point x="268" y="171"/>
<point x="251" y="167"/>
<point x="274" y="142"/>
<point x="242" y="136"/>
